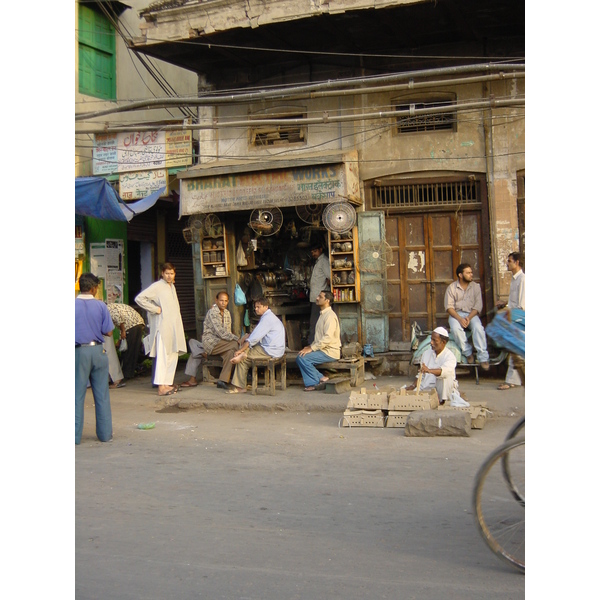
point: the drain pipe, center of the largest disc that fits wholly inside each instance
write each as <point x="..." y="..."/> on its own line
<point x="491" y="192"/>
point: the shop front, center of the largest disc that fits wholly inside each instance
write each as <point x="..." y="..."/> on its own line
<point x="253" y="225"/>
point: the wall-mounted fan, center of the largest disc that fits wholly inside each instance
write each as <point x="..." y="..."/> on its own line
<point x="310" y="213"/>
<point x="339" y="217"/>
<point x="266" y="221"/>
<point x="194" y="229"/>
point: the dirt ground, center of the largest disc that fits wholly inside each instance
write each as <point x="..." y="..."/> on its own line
<point x="280" y="503"/>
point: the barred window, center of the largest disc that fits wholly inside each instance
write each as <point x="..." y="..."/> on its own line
<point x="279" y="135"/>
<point x="440" y="115"/>
<point x="419" y="195"/>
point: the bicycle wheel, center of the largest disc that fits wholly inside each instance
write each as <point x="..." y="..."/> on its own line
<point x="500" y="520"/>
<point x="518" y="430"/>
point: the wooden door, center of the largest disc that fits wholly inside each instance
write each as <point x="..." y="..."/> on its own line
<point x="427" y="248"/>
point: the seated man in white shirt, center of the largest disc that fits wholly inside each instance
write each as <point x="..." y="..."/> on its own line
<point x="267" y="340"/>
<point x="438" y="366"/>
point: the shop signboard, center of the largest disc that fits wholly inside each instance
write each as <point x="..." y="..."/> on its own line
<point x="139" y="184"/>
<point x="141" y="151"/>
<point x="316" y="184"/>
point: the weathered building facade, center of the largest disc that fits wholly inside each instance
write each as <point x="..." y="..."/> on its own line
<point x="108" y="73"/>
<point x="416" y="111"/>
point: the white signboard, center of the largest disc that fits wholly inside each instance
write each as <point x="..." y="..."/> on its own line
<point x="141" y="151"/>
<point x="139" y="184"/>
<point x="104" y="157"/>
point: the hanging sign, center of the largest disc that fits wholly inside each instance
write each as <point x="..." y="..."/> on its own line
<point x="139" y="184"/>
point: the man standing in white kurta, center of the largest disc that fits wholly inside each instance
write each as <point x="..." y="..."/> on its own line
<point x="167" y="338"/>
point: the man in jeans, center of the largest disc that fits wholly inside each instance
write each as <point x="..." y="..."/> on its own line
<point x="325" y="347"/>
<point x="463" y="303"/>
<point x="92" y="323"/>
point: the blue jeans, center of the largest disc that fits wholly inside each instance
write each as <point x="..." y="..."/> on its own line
<point x="460" y="337"/>
<point x="307" y="363"/>
<point x="91" y="363"/>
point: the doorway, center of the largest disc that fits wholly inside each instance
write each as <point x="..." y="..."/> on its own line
<point x="427" y="248"/>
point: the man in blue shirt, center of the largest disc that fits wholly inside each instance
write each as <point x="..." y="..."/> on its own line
<point x="267" y="340"/>
<point x="92" y="323"/>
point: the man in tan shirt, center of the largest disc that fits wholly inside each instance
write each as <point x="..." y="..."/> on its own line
<point x="325" y="347"/>
<point x="463" y="303"/>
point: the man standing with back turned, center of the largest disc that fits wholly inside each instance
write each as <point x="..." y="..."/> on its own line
<point x="92" y="323"/>
<point x="463" y="303"/>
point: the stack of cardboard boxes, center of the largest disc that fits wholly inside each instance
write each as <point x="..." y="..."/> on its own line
<point x="390" y="407"/>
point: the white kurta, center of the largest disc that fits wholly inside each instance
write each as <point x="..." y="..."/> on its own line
<point x="444" y="384"/>
<point x="168" y="323"/>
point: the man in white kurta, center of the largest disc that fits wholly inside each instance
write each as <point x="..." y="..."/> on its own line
<point x="438" y="365"/>
<point x="167" y="338"/>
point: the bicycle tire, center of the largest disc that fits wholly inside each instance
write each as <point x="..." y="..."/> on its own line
<point x="500" y="520"/>
<point x="517" y="430"/>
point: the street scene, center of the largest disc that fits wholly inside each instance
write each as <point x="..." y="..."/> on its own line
<point x="300" y="266"/>
<point x="262" y="499"/>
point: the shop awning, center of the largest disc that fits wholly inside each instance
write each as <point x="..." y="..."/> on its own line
<point x="95" y="197"/>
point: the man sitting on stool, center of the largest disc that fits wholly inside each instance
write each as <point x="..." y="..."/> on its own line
<point x="267" y="340"/>
<point x="438" y="366"/>
<point x="463" y="303"/>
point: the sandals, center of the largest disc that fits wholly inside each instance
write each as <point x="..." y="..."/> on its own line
<point x="310" y="388"/>
<point x="187" y="384"/>
<point x="506" y="386"/>
<point x="172" y="391"/>
<point x="236" y="390"/>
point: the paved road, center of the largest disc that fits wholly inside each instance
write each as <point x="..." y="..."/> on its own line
<point x="280" y="505"/>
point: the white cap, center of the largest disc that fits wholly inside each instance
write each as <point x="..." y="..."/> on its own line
<point x="441" y="331"/>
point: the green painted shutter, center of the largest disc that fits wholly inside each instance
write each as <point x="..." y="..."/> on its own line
<point x="97" y="63"/>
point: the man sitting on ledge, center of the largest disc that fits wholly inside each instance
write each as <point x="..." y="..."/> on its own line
<point x="325" y="347"/>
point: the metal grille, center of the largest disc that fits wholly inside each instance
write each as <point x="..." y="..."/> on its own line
<point x="426" y="122"/>
<point x="425" y="194"/>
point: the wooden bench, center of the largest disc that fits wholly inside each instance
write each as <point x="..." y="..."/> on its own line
<point x="269" y="365"/>
<point x="214" y="361"/>
<point x="356" y="366"/>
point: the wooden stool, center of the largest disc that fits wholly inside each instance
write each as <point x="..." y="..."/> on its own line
<point x="269" y="365"/>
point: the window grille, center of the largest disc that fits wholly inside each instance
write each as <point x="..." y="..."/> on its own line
<point x="418" y="195"/>
<point x="279" y="135"/>
<point x="438" y="121"/>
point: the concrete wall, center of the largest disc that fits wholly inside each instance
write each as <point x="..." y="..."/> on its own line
<point x="486" y="142"/>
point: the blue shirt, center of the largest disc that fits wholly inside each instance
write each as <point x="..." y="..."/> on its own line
<point x="270" y="334"/>
<point x="92" y="320"/>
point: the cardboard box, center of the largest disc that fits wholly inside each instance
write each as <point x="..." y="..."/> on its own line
<point x="405" y="400"/>
<point x="363" y="418"/>
<point x="397" y="418"/>
<point x="368" y="400"/>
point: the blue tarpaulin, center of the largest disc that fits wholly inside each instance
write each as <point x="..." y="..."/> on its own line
<point x="95" y="197"/>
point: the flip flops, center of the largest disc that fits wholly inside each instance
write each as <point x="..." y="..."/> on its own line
<point x="310" y="388"/>
<point x="187" y="384"/>
<point x="235" y="391"/>
<point x="506" y="386"/>
<point x="172" y="391"/>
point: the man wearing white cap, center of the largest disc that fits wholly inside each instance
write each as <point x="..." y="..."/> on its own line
<point x="438" y="366"/>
